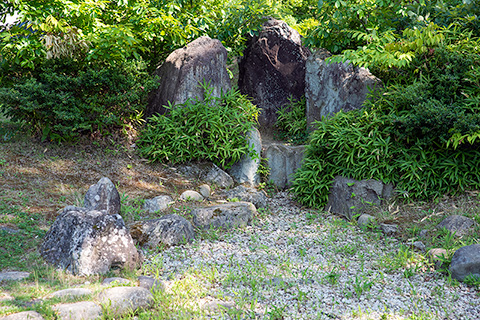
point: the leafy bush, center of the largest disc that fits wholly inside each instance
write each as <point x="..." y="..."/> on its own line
<point x="66" y="99"/>
<point x="210" y="129"/>
<point x="292" y="121"/>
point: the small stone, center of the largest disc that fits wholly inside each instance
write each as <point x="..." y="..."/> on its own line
<point x="465" y="262"/>
<point x="13" y="275"/>
<point x="122" y="300"/>
<point x="9" y="230"/>
<point x="423" y="233"/>
<point x="205" y="190"/>
<point x="437" y="256"/>
<point x="366" y="221"/>
<point x="156" y="204"/>
<point x="459" y="225"/>
<point x="25" y="315"/>
<point x="191" y="195"/>
<point x="115" y="281"/>
<point x="84" y="310"/>
<point x="388" y="229"/>
<point x="70" y="293"/>
<point x="242" y="193"/>
<point x="234" y="214"/>
<point x="419" y="245"/>
<point x="151" y="284"/>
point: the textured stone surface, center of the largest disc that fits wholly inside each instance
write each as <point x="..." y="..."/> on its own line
<point x="366" y="221"/>
<point x="151" y="284"/>
<point x="235" y="214"/>
<point x="437" y="257"/>
<point x="25" y="315"/>
<point x="349" y="197"/>
<point x="71" y="293"/>
<point x="168" y="230"/>
<point x="460" y="225"/>
<point x="335" y="86"/>
<point x="203" y="59"/>
<point x="283" y="160"/>
<point x="156" y="204"/>
<point x="388" y="229"/>
<point x="466" y="261"/>
<point x="103" y="196"/>
<point x="242" y="193"/>
<point x="191" y="195"/>
<point x="208" y="172"/>
<point x="245" y="171"/>
<point x="273" y="69"/>
<point x="122" y="300"/>
<point x="84" y="310"/>
<point x="87" y="242"/>
<point x="205" y="190"/>
<point x="14" y="275"/>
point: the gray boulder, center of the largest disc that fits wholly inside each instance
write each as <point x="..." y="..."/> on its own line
<point x="25" y="315"/>
<point x="191" y="195"/>
<point x="350" y="197"/>
<point x="208" y="172"/>
<point x="366" y="221"/>
<point x="84" y="310"/>
<point x="152" y="284"/>
<point x="202" y="60"/>
<point x="205" y="190"/>
<point x="156" y="204"/>
<point x="460" y="225"/>
<point x="103" y="196"/>
<point x="121" y="300"/>
<point x="466" y="261"/>
<point x="332" y="87"/>
<point x="388" y="229"/>
<point x="242" y="193"/>
<point x="228" y="215"/>
<point x="283" y="161"/>
<point x="71" y="293"/>
<point x="169" y="230"/>
<point x="437" y="256"/>
<point x="272" y="69"/>
<point x="246" y="170"/>
<point x="86" y="242"/>
<point x="13" y="275"/>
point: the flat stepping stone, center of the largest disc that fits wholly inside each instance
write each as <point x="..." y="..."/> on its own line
<point x="25" y="315"/>
<point x="122" y="300"/>
<point x="70" y="293"/>
<point x="84" y="310"/>
<point x="13" y="275"/>
<point x="460" y="225"/>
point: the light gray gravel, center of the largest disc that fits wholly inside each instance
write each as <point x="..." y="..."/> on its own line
<point x="299" y="265"/>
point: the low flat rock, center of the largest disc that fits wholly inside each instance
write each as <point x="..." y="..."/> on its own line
<point x="156" y="204"/>
<point x="84" y="310"/>
<point x="13" y="275"/>
<point x="208" y="172"/>
<point x="122" y="300"/>
<point x="366" y="221"/>
<point x="115" y="281"/>
<point x="191" y="195"/>
<point x="466" y="261"/>
<point x="258" y="198"/>
<point x="70" y="293"/>
<point x="151" y="284"/>
<point x="169" y="230"/>
<point x="460" y="225"/>
<point x="228" y="215"/>
<point x="25" y="315"/>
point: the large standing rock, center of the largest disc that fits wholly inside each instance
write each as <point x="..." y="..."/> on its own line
<point x="88" y="242"/>
<point x="203" y="59"/>
<point x="245" y="171"/>
<point x="103" y="196"/>
<point x="273" y="69"/>
<point x="169" y="230"/>
<point x="349" y="197"/>
<point x="235" y="214"/>
<point x="283" y="161"/>
<point x="466" y="261"/>
<point x="332" y="87"/>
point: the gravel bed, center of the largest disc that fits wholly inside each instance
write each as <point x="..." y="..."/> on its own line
<point x="293" y="264"/>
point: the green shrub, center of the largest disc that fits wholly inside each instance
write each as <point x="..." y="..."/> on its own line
<point x="292" y="121"/>
<point x="210" y="129"/>
<point x="67" y="99"/>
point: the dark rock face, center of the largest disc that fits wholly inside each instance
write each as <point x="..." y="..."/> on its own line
<point x="460" y="225"/>
<point x="273" y="69"/>
<point x="169" y="230"/>
<point x="235" y="214"/>
<point x="86" y="242"/>
<point x="204" y="59"/>
<point x="349" y="197"/>
<point x="466" y="261"/>
<point x="103" y="196"/>
<point x="283" y="161"/>
<point x="335" y="86"/>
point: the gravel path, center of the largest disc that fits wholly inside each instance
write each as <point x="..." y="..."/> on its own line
<point x="293" y="264"/>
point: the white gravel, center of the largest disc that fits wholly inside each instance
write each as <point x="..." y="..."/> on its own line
<point x="294" y="265"/>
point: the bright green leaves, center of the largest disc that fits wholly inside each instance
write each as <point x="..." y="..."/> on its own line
<point x="210" y="129"/>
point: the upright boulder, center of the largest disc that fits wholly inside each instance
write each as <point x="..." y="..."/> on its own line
<point x="202" y="60"/>
<point x="465" y="262"/>
<point x="273" y="69"/>
<point x="246" y="170"/>
<point x="332" y="87"/>
<point x="86" y="242"/>
<point x="349" y="197"/>
<point x="103" y="196"/>
<point x="283" y="161"/>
